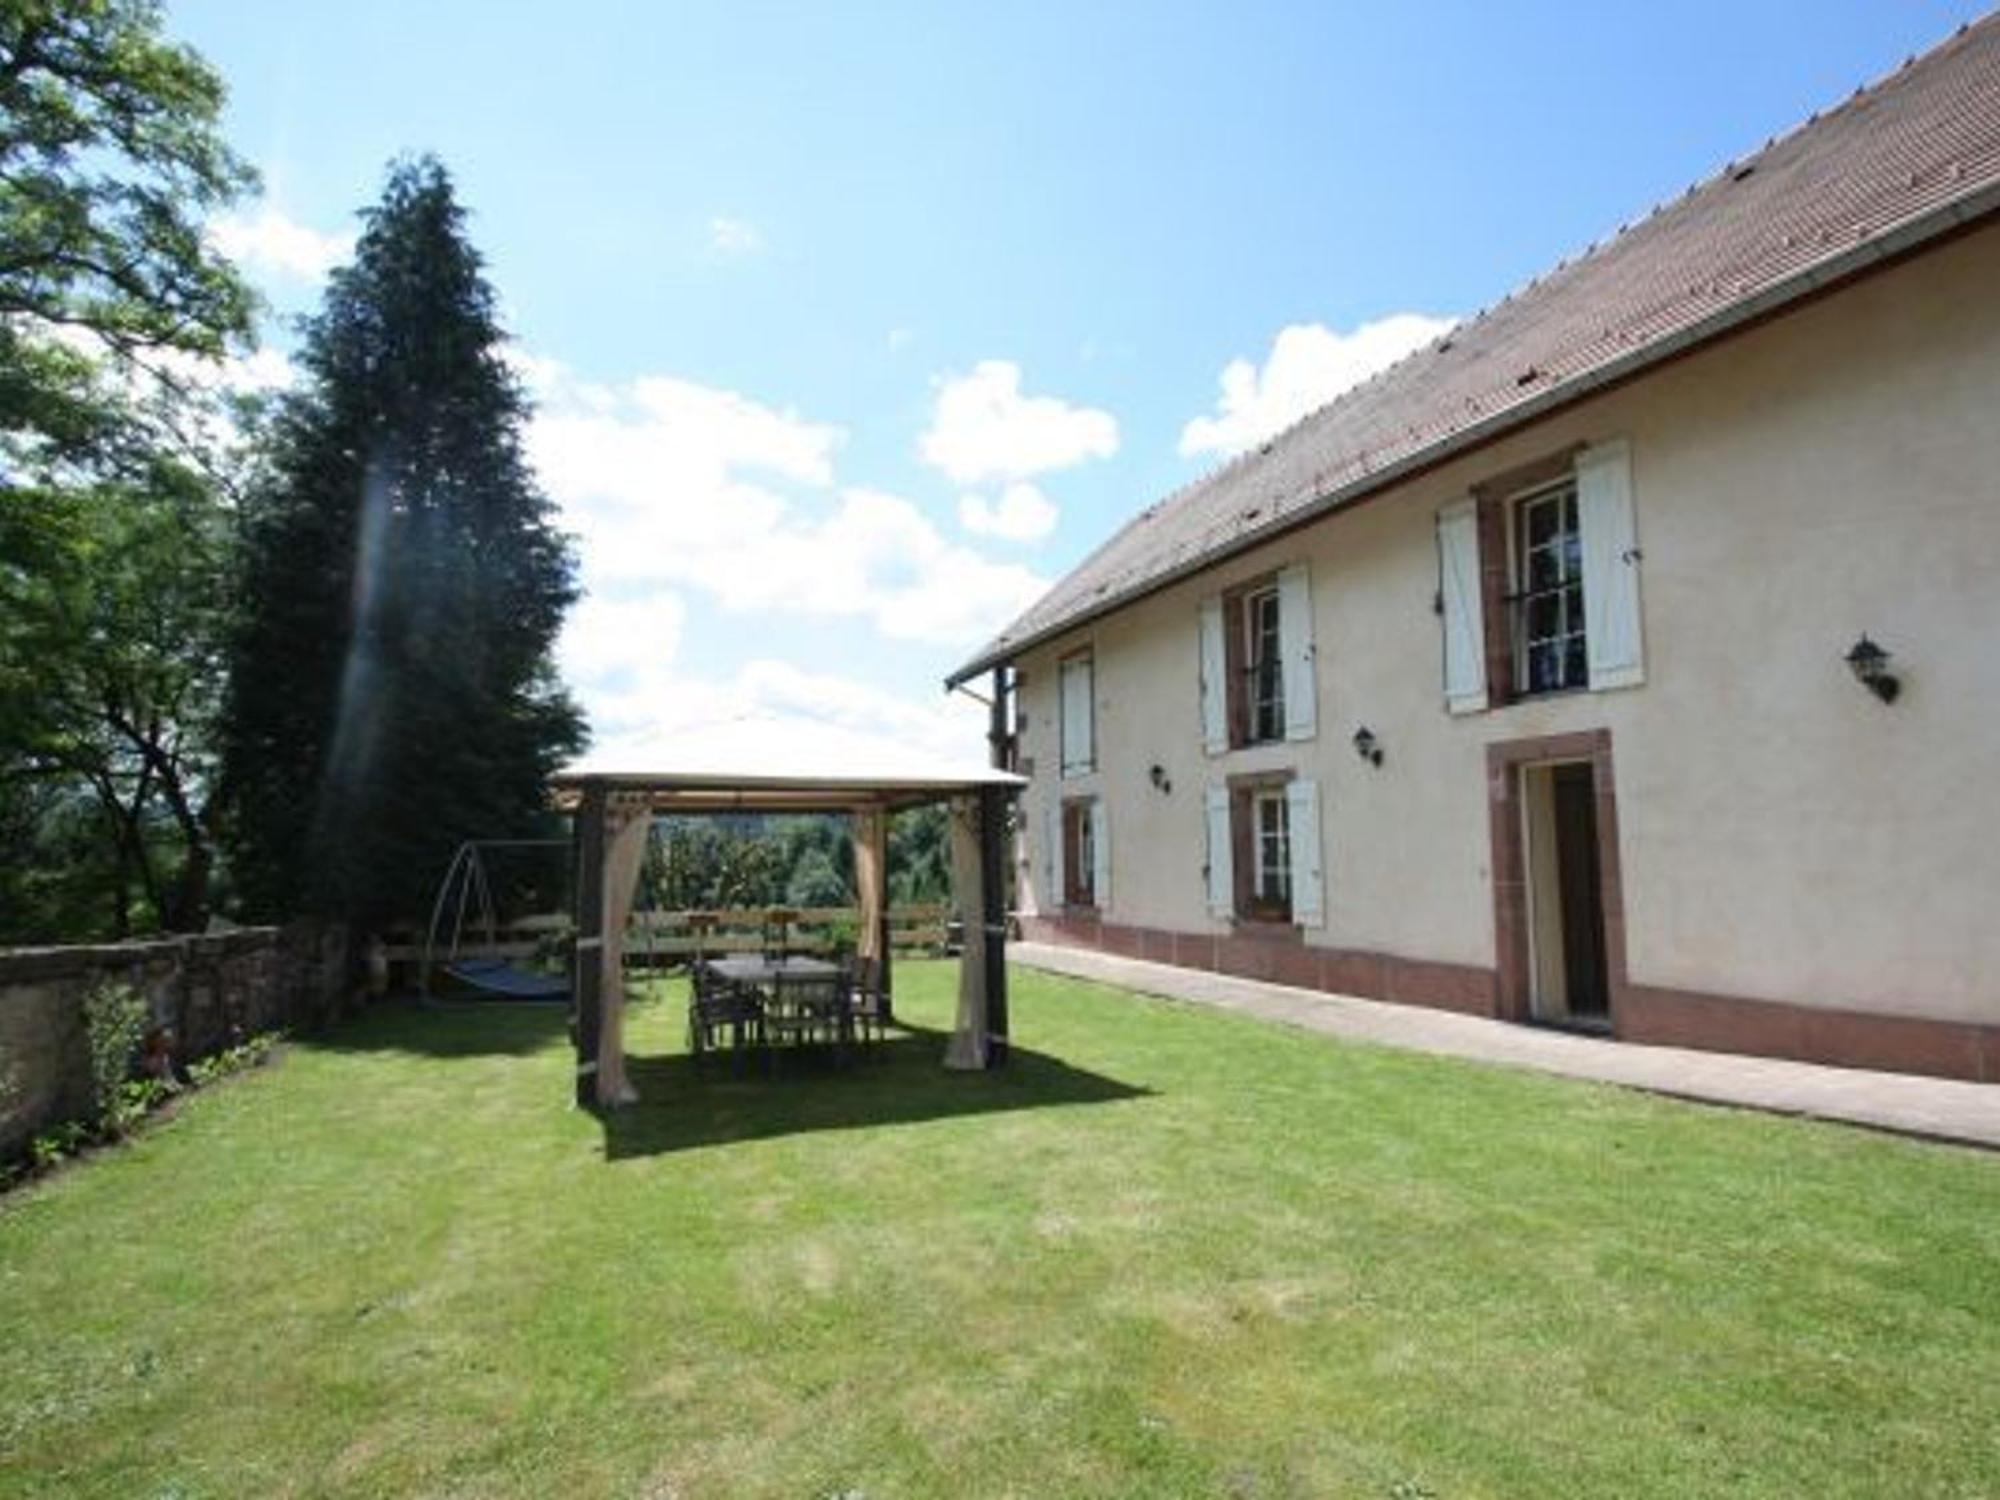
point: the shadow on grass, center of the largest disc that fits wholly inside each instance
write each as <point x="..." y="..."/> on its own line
<point x="448" y="1028"/>
<point x="902" y="1080"/>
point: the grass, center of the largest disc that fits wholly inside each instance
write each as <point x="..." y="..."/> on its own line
<point x="1170" y="1252"/>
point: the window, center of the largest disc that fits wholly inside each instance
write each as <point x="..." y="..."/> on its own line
<point x="1257" y="663"/>
<point x="1550" y="651"/>
<point x="1271" y="832"/>
<point x="1079" y="854"/>
<point x="1078" y="706"/>
<point x="1538" y="581"/>
<point x="1264" y="849"/>
<point x="1263" y="670"/>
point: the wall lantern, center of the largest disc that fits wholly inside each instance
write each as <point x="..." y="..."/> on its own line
<point x="1366" y="746"/>
<point x="1158" y="776"/>
<point x="1870" y="665"/>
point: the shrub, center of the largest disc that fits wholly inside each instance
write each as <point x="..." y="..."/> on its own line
<point x="114" y="1019"/>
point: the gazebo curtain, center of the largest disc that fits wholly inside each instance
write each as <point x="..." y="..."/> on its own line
<point x="628" y="819"/>
<point x="870" y="877"/>
<point x="968" y="1038"/>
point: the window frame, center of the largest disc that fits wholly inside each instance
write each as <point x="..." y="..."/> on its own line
<point x="1247" y="793"/>
<point x="1571" y="639"/>
<point x="1079" y="848"/>
<point x="1241" y="641"/>
<point x="1271" y="884"/>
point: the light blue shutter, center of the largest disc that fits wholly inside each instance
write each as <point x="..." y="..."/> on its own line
<point x="1308" y="878"/>
<point x="1296" y="653"/>
<point x="1100" y="848"/>
<point x="1052" y="899"/>
<point x="1221" y="875"/>
<point x="1079" y="748"/>
<point x="1214" y="667"/>
<point x="1464" y="615"/>
<point x="1612" y="636"/>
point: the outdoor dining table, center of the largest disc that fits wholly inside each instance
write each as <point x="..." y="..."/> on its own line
<point x="794" y="991"/>
<point x="752" y="968"/>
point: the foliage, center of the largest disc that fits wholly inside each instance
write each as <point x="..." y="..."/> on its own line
<point x="391" y="685"/>
<point x="1167" y="1252"/>
<point x="130" y="1101"/>
<point x="109" y="158"/>
<point x="110" y="535"/>
<point x="751" y="860"/>
<point x="920" y="855"/>
<point x="110" y="675"/>
<point x="114" y="1022"/>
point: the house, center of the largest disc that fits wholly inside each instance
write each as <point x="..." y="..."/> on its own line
<point x="1628" y="658"/>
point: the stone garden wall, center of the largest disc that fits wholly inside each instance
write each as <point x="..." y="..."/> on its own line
<point x="211" y="991"/>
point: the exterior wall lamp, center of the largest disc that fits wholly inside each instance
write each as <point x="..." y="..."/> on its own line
<point x="1158" y="776"/>
<point x="1366" y="746"/>
<point x="1870" y="665"/>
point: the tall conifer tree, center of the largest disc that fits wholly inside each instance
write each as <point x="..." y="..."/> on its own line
<point x="392" y="687"/>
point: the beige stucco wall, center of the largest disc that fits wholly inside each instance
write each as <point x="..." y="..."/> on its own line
<point x="1783" y="835"/>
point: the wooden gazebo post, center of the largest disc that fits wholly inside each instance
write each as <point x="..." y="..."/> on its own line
<point x="586" y="981"/>
<point x="993" y="802"/>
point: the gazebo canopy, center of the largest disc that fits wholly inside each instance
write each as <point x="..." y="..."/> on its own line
<point x="773" y="764"/>
<point x="768" y="764"/>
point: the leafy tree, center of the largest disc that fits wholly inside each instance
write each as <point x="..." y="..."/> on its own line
<point x="110" y="674"/>
<point x="110" y="158"/>
<point x="920" y="855"/>
<point x="391" y="688"/>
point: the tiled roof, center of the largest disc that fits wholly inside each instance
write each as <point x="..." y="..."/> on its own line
<point x="1901" y="161"/>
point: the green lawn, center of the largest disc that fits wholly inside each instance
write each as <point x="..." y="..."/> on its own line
<point x="1169" y="1252"/>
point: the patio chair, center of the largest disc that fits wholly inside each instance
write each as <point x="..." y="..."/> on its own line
<point x="716" y="1006"/>
<point x="867" y="1005"/>
<point x="805" y="1012"/>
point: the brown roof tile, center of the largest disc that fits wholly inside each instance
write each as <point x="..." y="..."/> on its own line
<point x="1898" y="163"/>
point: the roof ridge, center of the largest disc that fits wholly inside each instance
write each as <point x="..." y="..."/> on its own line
<point x="1731" y="253"/>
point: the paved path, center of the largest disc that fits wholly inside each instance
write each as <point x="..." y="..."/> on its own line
<point x="1941" y="1108"/>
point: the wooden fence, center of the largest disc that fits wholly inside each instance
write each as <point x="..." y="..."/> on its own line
<point x="667" y="937"/>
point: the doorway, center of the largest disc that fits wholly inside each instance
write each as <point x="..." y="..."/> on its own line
<point x="1567" y="970"/>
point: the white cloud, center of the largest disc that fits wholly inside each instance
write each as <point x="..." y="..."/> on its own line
<point x="900" y="339"/>
<point x="669" y="483"/>
<point x="983" y="428"/>
<point x="729" y="236"/>
<point x="273" y="243"/>
<point x="1024" y="514"/>
<point x="1309" y="364"/>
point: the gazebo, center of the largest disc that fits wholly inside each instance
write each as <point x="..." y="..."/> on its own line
<point x="775" y="765"/>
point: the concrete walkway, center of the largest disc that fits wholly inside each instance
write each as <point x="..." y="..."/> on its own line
<point x="1938" y="1108"/>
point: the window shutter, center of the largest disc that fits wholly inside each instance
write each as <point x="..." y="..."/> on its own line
<point x="1295" y="653"/>
<point x="1464" y="617"/>
<point x="1610" y="567"/>
<point x="1079" y="750"/>
<point x="1308" y="879"/>
<point x="1052" y="900"/>
<point x="1214" y="678"/>
<point x="1100" y="848"/>
<point x="1221" y="877"/>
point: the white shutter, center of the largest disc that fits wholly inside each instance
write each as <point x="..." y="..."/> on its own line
<point x="1221" y="877"/>
<point x="1214" y="678"/>
<point x="1308" y="879"/>
<point x="1100" y="849"/>
<point x="1052" y="892"/>
<point x="1464" y="618"/>
<point x="1295" y="653"/>
<point x="1079" y="751"/>
<point x="1610" y="567"/>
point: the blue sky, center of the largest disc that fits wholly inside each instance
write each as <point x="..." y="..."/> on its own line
<point x="852" y="326"/>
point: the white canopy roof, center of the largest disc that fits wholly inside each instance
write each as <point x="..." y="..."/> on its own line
<point x="776" y="763"/>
